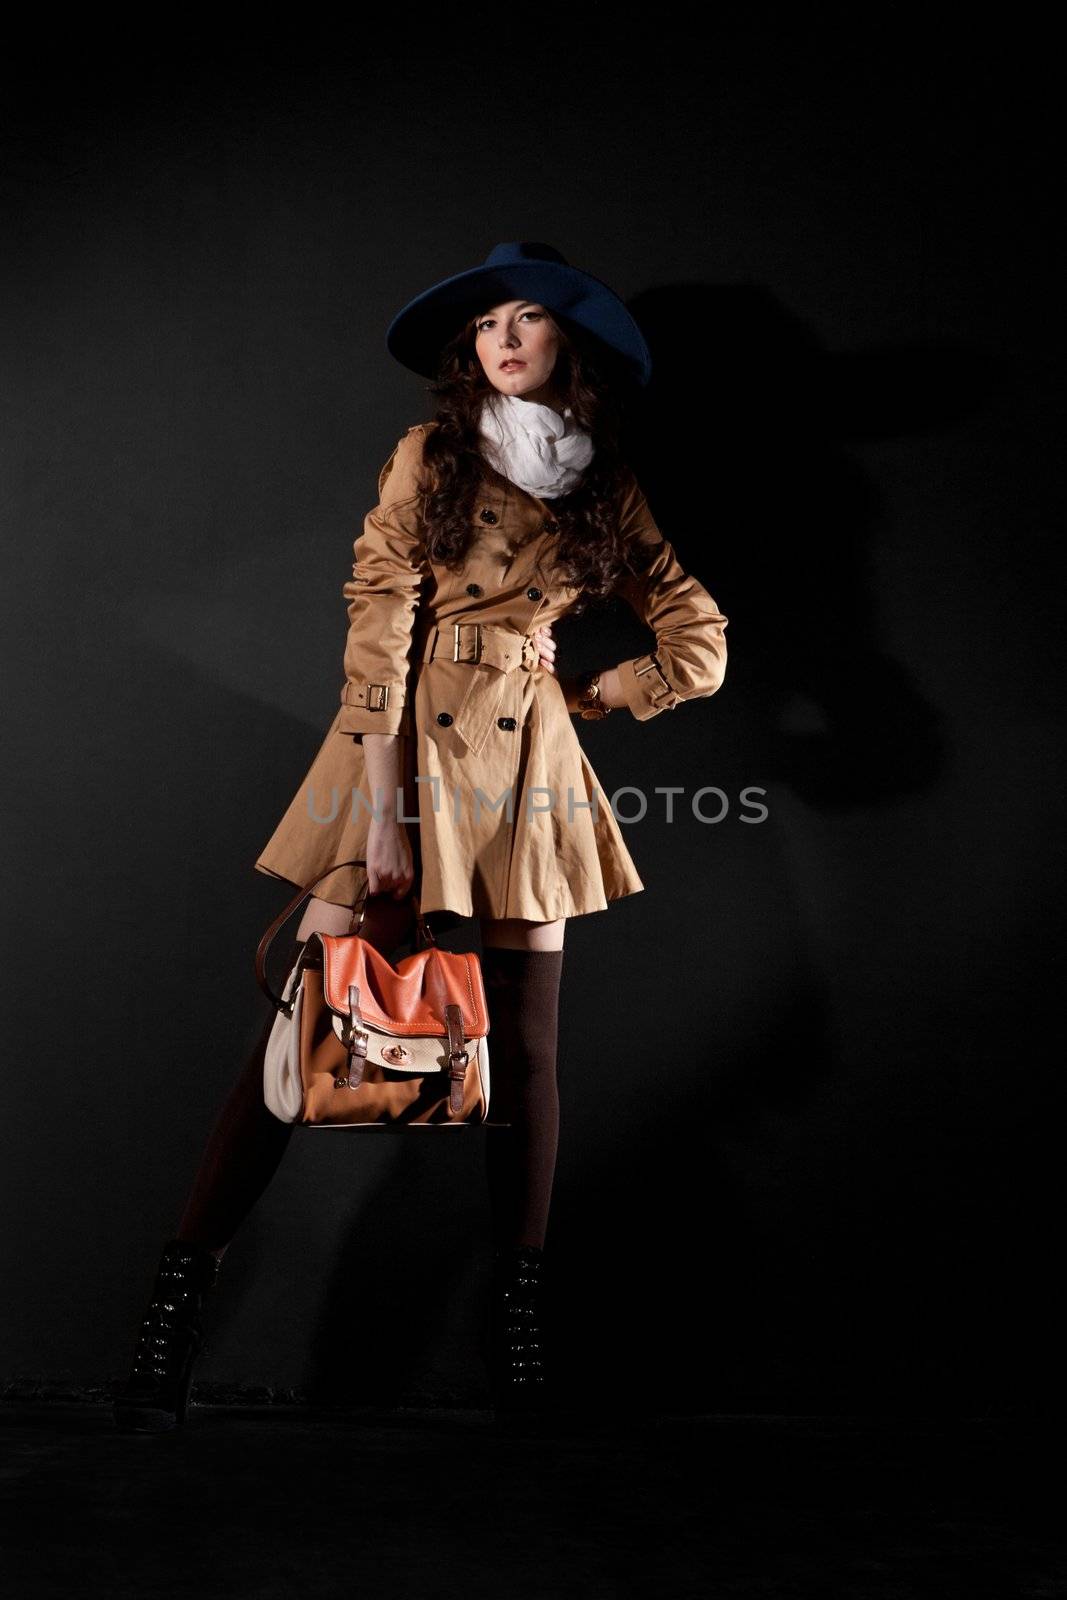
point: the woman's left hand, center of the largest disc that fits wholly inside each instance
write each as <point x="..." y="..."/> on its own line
<point x="546" y="646"/>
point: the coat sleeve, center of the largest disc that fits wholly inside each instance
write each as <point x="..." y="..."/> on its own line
<point x="383" y="597"/>
<point x="689" y="660"/>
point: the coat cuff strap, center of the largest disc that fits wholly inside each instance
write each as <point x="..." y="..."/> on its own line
<point x="646" y="688"/>
<point x="374" y="708"/>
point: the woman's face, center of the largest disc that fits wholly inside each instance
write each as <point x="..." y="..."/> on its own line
<point x="522" y="334"/>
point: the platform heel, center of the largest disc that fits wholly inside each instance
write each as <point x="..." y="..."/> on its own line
<point x="155" y="1396"/>
<point x="517" y="1354"/>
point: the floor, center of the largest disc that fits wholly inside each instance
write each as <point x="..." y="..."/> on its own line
<point x="283" y="1501"/>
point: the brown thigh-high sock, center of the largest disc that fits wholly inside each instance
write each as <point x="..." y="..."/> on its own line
<point x="522" y="988"/>
<point x="242" y="1155"/>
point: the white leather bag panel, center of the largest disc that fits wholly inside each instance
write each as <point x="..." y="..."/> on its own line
<point x="283" y="1092"/>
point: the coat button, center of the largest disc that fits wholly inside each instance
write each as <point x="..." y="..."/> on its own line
<point x="533" y="594"/>
<point x="474" y="588"/>
<point x="505" y="722"/>
<point x="444" y="718"/>
<point x="487" y="515"/>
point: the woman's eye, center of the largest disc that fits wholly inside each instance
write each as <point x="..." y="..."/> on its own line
<point x="488" y="323"/>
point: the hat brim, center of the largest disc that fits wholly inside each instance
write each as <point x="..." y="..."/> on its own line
<point x="419" y="332"/>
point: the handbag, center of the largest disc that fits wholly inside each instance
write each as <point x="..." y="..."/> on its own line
<point x="359" y="1043"/>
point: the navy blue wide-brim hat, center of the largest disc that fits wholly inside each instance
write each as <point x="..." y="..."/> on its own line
<point x="526" y="271"/>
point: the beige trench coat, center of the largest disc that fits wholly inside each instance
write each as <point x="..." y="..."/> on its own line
<point x="511" y="818"/>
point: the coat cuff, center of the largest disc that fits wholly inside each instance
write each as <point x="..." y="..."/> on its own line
<point x="373" y="708"/>
<point x="645" y="687"/>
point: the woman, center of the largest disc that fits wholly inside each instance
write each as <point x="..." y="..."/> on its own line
<point x="511" y="509"/>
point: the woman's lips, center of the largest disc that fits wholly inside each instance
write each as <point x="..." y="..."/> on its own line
<point x="511" y="366"/>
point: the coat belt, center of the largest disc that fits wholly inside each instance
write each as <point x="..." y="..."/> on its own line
<point x="478" y="642"/>
<point x="481" y="644"/>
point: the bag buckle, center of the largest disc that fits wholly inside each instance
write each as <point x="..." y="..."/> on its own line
<point x="354" y="1037"/>
<point x="458" y="1057"/>
<point x="304" y="959"/>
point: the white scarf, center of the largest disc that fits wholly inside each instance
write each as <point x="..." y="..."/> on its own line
<point x="537" y="448"/>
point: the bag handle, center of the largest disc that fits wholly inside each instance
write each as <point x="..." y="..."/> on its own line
<point x="268" y="938"/>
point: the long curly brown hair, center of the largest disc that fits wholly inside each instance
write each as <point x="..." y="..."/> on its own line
<point x="587" y="551"/>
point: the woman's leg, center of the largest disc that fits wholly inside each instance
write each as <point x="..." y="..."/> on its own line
<point x="522" y="964"/>
<point x="241" y="1157"/>
<point x="247" y="1142"/>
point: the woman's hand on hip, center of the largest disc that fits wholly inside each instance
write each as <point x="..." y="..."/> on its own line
<point x="546" y="645"/>
<point x="390" y="862"/>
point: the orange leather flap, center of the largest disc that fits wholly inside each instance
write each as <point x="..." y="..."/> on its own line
<point x="409" y="998"/>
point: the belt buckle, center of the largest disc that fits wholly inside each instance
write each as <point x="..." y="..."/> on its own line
<point x="530" y="655"/>
<point x="455" y="641"/>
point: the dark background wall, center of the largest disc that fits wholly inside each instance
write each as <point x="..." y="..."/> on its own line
<point x="808" y="1152"/>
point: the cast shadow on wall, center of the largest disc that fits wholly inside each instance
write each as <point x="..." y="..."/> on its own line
<point x="741" y="443"/>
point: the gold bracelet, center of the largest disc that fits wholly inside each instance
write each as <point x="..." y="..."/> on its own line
<point x="590" y="703"/>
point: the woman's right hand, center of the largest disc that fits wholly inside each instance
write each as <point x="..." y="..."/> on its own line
<point x="390" y="862"/>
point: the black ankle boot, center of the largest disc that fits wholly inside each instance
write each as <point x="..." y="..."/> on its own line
<point x="518" y="1368"/>
<point x="155" y="1396"/>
